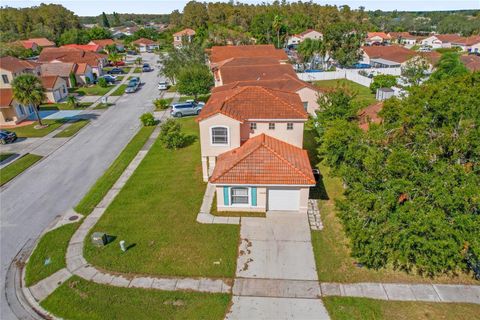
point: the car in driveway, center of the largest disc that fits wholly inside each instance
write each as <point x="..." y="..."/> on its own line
<point x="132" y="86"/>
<point x="116" y="71"/>
<point x="186" y="109"/>
<point x="163" y="85"/>
<point x="7" y="136"/>
<point x="109" y="78"/>
<point x="146" y="68"/>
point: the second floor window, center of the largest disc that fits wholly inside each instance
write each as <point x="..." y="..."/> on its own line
<point x="305" y="105"/>
<point x="290" y="126"/>
<point x="219" y="135"/>
<point x="253" y="125"/>
<point x="5" y="78"/>
<point x="271" y="126"/>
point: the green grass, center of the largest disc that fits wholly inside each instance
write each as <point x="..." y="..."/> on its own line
<point x="137" y="70"/>
<point x="64" y="106"/>
<point x="172" y="88"/>
<point x="331" y="246"/>
<point x="53" y="245"/>
<point x="18" y="166"/>
<point x="349" y="308"/>
<point x="94" y="90"/>
<point x="103" y="105"/>
<point x="364" y="95"/>
<point x="120" y="90"/>
<point x="108" y="179"/>
<point x="30" y="132"/>
<point x="72" y="129"/>
<point x="80" y="299"/>
<point x="155" y="213"/>
<point x="120" y="78"/>
<point x="4" y="156"/>
<point x="203" y="98"/>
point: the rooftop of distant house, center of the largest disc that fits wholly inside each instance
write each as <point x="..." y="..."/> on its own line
<point x="221" y="53"/>
<point x="472" y="62"/>
<point x="392" y="53"/>
<point x="13" y="64"/>
<point x="144" y="41"/>
<point x="369" y="115"/>
<point x="66" y="54"/>
<point x="256" y="72"/>
<point x="184" y="32"/>
<point x="382" y="35"/>
<point x="42" y="42"/>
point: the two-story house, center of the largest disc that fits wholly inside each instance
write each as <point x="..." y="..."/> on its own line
<point x="186" y="35"/>
<point x="251" y="145"/>
<point x="296" y="39"/>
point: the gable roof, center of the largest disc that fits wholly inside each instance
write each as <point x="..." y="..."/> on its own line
<point x="220" y="53"/>
<point x="392" y="53"/>
<point x="6" y="97"/>
<point x="62" y="69"/>
<point x="254" y="102"/>
<point x="382" y="35"/>
<point x="66" y="54"/>
<point x="85" y="47"/>
<point x="467" y="41"/>
<point x="446" y="38"/>
<point x="144" y="41"/>
<point x="28" y="44"/>
<point x="48" y="82"/>
<point x="13" y="64"/>
<point x="369" y="115"/>
<point x="256" y="72"/>
<point x="472" y="62"/>
<point x="103" y="42"/>
<point x="184" y="32"/>
<point x="42" y="42"/>
<point x="264" y="160"/>
<point x="245" y="61"/>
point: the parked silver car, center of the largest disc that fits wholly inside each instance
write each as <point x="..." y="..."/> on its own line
<point x="186" y="108"/>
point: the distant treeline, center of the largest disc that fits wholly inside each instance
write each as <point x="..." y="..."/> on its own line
<point x="126" y="18"/>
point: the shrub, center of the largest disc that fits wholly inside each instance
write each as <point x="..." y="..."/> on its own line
<point x="88" y="80"/>
<point x="102" y="82"/>
<point x="171" y="135"/>
<point x="72" y="101"/>
<point x="147" y="119"/>
<point x="161" y="104"/>
<point x="383" y="81"/>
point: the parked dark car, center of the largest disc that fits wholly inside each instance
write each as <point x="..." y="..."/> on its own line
<point x="146" y="68"/>
<point x="116" y="71"/>
<point x="109" y="78"/>
<point x="132" y="52"/>
<point x="7" y="136"/>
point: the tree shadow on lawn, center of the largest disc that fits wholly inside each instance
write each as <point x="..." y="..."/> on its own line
<point x="319" y="192"/>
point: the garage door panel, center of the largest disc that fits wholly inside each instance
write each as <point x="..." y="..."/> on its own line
<point x="283" y="199"/>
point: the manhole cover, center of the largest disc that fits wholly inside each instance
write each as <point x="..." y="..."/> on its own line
<point x="73" y="218"/>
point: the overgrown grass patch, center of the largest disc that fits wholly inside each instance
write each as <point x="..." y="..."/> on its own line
<point x="81" y="299"/>
<point x="155" y="213"/>
<point x="108" y="179"/>
<point x="364" y="95"/>
<point x="72" y="129"/>
<point x="49" y="255"/>
<point x="349" y="308"/>
<point x="15" y="168"/>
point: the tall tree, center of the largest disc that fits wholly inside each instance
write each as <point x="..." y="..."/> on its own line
<point x="344" y="40"/>
<point x="277" y="26"/>
<point x="194" y="80"/>
<point x="28" y="91"/>
<point x="448" y="66"/>
<point x="415" y="71"/>
<point x="116" y="19"/>
<point x="105" y="22"/>
<point x="195" y="15"/>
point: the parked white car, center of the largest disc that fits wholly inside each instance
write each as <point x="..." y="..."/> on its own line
<point x="163" y="85"/>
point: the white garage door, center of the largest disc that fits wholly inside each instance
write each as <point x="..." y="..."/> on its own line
<point x="283" y="199"/>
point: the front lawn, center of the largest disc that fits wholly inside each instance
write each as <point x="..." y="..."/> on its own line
<point x="214" y="211"/>
<point x="103" y="106"/>
<point x="18" y="166"/>
<point x="331" y="245"/>
<point x="120" y="90"/>
<point x="94" y="90"/>
<point x="52" y="247"/>
<point x="364" y="95"/>
<point x="108" y="179"/>
<point x="64" y="106"/>
<point x="203" y="98"/>
<point x="30" y="132"/>
<point x="349" y="308"/>
<point x="72" y="129"/>
<point x="80" y="299"/>
<point x="137" y="70"/>
<point x="5" y="156"/>
<point x="155" y="213"/>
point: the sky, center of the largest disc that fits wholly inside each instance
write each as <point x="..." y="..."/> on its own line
<point x="95" y="7"/>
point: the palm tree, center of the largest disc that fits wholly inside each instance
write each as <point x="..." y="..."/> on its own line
<point x="72" y="101"/>
<point x="277" y="26"/>
<point x="114" y="57"/>
<point x="29" y="91"/>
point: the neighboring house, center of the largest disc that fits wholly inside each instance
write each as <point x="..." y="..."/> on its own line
<point x="468" y="44"/>
<point x="103" y="43"/>
<point x="55" y="88"/>
<point x="42" y="42"/>
<point x="186" y="35"/>
<point x="472" y="62"/>
<point x="64" y="54"/>
<point x="251" y="143"/>
<point x="393" y="56"/>
<point x="217" y="54"/>
<point x="11" y="112"/>
<point x="369" y="115"/>
<point x="11" y="67"/>
<point x="307" y="92"/>
<point x="377" y="39"/>
<point x="226" y="75"/>
<point x="307" y="34"/>
<point x="405" y="38"/>
<point x="119" y="32"/>
<point x="65" y="69"/>
<point x="27" y="44"/>
<point x="145" y="45"/>
<point x="440" y="41"/>
<point x="84" y="47"/>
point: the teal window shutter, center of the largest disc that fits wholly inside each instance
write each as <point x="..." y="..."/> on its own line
<point x="254" y="196"/>
<point x="226" y="196"/>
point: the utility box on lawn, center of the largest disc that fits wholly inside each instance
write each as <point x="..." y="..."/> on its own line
<point x="99" y="239"/>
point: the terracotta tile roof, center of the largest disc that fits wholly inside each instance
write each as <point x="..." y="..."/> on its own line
<point x="28" y="44"/>
<point x="42" y="42"/>
<point x="184" y="32"/>
<point x="13" y="64"/>
<point x="85" y="47"/>
<point x="382" y="35"/>
<point x="253" y="102"/>
<point x="220" y="53"/>
<point x="472" y="62"/>
<point x="48" y="82"/>
<point x="369" y="115"/>
<point x="81" y="68"/>
<point x="393" y="53"/>
<point x="289" y="83"/>
<point x="245" y="61"/>
<point x="468" y="41"/>
<point x="304" y="33"/>
<point x="65" y="54"/>
<point x="397" y="35"/>
<point x="62" y="69"/>
<point x="144" y="41"/>
<point x="256" y="72"/>
<point x="6" y="97"/>
<point x="263" y="160"/>
<point x="448" y="37"/>
<point x="103" y="42"/>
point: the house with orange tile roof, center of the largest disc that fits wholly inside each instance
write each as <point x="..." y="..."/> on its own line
<point x="468" y="44"/>
<point x="217" y="54"/>
<point x="11" y="67"/>
<point x="296" y="39"/>
<point x="81" y="71"/>
<point x="251" y="145"/>
<point x="229" y="74"/>
<point x="12" y="112"/>
<point x="75" y="55"/>
<point x="84" y="47"/>
<point x="183" y="36"/>
<point x="472" y="62"/>
<point x="145" y="45"/>
<point x="42" y="42"/>
<point x="440" y="41"/>
<point x="103" y="43"/>
<point x="55" y="88"/>
<point x="377" y="38"/>
<point x="387" y="56"/>
<point x="369" y="115"/>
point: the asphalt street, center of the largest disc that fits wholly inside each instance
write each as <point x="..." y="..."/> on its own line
<point x="32" y="201"/>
